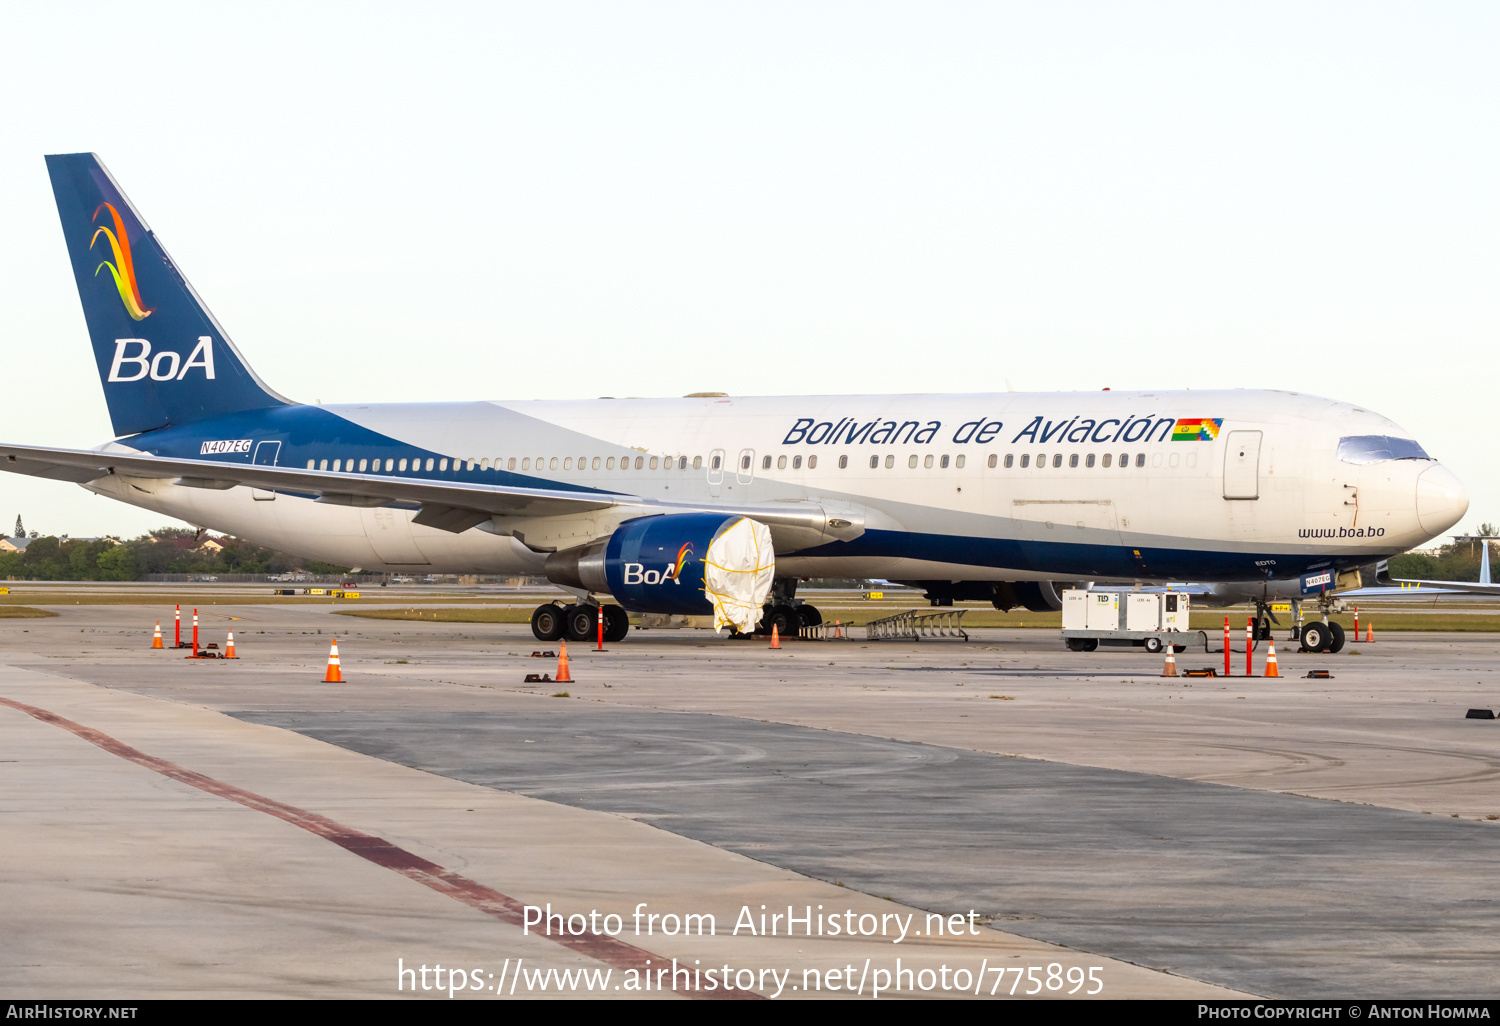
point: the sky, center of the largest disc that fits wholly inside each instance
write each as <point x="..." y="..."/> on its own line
<point x="447" y="201"/>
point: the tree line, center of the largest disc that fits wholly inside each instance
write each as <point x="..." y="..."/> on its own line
<point x="169" y="550"/>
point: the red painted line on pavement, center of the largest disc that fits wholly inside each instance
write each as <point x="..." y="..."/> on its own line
<point x="612" y="952"/>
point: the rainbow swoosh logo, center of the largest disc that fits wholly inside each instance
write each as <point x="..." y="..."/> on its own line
<point x="683" y="555"/>
<point x="123" y="267"/>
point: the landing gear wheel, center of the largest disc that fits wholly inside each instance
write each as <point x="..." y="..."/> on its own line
<point x="582" y="622"/>
<point x="1263" y="629"/>
<point x="1337" y="641"/>
<point x="810" y="615"/>
<point x="1152" y="645"/>
<point x="547" y="622"/>
<point x="616" y="624"/>
<point x="1316" y="636"/>
<point x="785" y="619"/>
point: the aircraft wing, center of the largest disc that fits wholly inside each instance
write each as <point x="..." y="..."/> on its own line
<point x="1481" y="587"/>
<point x="1469" y="587"/>
<point x="450" y="506"/>
<point x="442" y="504"/>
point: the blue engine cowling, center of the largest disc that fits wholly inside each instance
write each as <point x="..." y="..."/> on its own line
<point x="650" y="565"/>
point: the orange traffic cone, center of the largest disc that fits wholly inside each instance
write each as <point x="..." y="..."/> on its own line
<point x="1369" y="632"/>
<point x="229" y="647"/>
<point x="333" y="676"/>
<point x="1169" y="668"/>
<point x="156" y="639"/>
<point x="562" y="665"/>
<point x="775" y="637"/>
<point x="1271" y="670"/>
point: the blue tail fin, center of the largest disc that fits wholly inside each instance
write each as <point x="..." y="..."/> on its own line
<point x="162" y="357"/>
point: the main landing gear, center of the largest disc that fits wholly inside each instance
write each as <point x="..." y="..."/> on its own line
<point x="579" y="622"/>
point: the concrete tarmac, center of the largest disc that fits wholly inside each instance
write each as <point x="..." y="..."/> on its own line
<point x="1146" y="828"/>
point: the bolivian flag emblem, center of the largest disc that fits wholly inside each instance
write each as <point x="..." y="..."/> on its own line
<point x="1197" y="429"/>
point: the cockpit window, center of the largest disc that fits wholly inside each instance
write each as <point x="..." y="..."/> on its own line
<point x="1377" y="448"/>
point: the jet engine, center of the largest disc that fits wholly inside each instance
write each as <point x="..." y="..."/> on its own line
<point x="686" y="563"/>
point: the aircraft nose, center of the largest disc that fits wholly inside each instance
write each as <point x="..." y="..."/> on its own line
<point x="1441" y="500"/>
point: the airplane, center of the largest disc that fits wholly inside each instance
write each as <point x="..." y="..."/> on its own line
<point x="713" y="504"/>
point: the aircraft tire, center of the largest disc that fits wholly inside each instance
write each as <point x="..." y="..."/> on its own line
<point x="581" y="622"/>
<point x="616" y="624"/>
<point x="809" y="615"/>
<point x="1315" y="636"/>
<point x="547" y="623"/>
<point x="1337" y="641"/>
<point x="785" y="619"/>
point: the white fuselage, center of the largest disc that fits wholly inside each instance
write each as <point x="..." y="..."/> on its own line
<point x="1010" y="486"/>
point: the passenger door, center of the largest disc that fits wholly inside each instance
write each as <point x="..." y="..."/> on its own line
<point x="1242" y="465"/>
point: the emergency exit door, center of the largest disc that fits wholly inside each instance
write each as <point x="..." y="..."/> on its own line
<point x="266" y="455"/>
<point x="1242" y="465"/>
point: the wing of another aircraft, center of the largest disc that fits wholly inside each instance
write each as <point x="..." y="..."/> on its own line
<point x="1482" y="587"/>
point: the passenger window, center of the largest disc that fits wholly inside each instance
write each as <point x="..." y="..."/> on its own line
<point x="401" y="466"/>
<point x="655" y="460"/>
<point x="697" y="462"/>
<point x="595" y="464"/>
<point x="1025" y="460"/>
<point x="322" y="464"/>
<point x="1107" y="458"/>
<point x="567" y="463"/>
<point x="943" y="463"/>
<point x="609" y="464"/>
<point x="843" y="462"/>
<point x="765" y="462"/>
<point x="927" y="463"/>
<point x="890" y="461"/>
<point x="874" y="462"/>
<point x="526" y="463"/>
<point x="1057" y="460"/>
<point x="681" y="463"/>
<point x="1073" y="460"/>
<point x="716" y="463"/>
<point x="780" y="462"/>
<point x="1124" y="460"/>
<point x="510" y="464"/>
<point x="1140" y="459"/>
<point x="796" y="462"/>
<point x="911" y="461"/>
<point x="484" y="464"/>
<point x="812" y="462"/>
<point x="1041" y="460"/>
<point x="362" y="465"/>
<point x="958" y="461"/>
<point x="390" y="465"/>
<point x="1089" y="462"/>
<point x="744" y="462"/>
<point x="442" y="464"/>
<point x="312" y="464"/>
<point x="336" y="465"/>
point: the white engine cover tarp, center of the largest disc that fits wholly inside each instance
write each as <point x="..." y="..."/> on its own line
<point x="737" y="573"/>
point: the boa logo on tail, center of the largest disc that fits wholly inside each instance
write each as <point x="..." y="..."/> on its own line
<point x="123" y="268"/>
